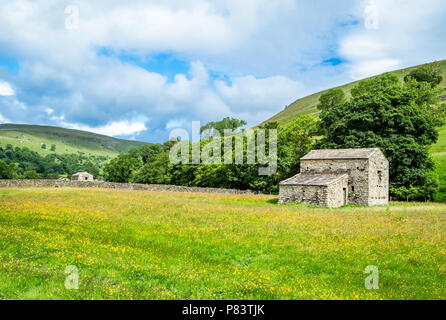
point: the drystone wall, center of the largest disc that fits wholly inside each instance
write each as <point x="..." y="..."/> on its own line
<point x="113" y="185"/>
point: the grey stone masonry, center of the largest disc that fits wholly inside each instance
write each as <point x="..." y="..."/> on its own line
<point x="327" y="190"/>
<point x="112" y="185"/>
<point x="367" y="172"/>
<point x="82" y="176"/>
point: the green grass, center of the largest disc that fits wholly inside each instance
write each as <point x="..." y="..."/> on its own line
<point x="67" y="141"/>
<point x="438" y="152"/>
<point x="162" y="245"/>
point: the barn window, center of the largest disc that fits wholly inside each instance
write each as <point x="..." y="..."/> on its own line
<point x="353" y="188"/>
<point x="380" y="176"/>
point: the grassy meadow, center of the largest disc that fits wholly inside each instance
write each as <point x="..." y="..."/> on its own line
<point x="438" y="152"/>
<point x="162" y="245"/>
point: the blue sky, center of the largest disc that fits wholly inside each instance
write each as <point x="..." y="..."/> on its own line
<point x="139" y="69"/>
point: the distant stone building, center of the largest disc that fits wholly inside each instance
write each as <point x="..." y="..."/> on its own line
<point x="82" y="176"/>
<point x="333" y="178"/>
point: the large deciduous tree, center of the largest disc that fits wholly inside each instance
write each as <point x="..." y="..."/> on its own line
<point x="225" y="124"/>
<point x="121" y="168"/>
<point x="6" y="170"/>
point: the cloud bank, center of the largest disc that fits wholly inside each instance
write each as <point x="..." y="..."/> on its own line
<point x="96" y="66"/>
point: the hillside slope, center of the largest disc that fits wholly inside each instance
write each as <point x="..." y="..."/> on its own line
<point x="307" y="105"/>
<point x="67" y="141"/>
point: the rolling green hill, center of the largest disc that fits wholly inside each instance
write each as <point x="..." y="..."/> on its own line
<point x="67" y="141"/>
<point x="307" y="106"/>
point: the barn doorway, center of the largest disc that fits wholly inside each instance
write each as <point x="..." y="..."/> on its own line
<point x="344" y="194"/>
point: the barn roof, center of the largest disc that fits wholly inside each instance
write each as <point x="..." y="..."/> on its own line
<point x="333" y="154"/>
<point x="313" y="179"/>
<point x="81" y="173"/>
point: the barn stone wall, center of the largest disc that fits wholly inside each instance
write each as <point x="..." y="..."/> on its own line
<point x="325" y="195"/>
<point x="357" y="169"/>
<point x="112" y="185"/>
<point x="335" y="195"/>
<point x="378" y="180"/>
<point x="82" y="177"/>
<point x="312" y="195"/>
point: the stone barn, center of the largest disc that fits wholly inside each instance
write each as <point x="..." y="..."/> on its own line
<point x="333" y="178"/>
<point x="82" y="176"/>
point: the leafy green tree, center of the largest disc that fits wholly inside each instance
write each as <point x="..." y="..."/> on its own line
<point x="226" y="123"/>
<point x="52" y="176"/>
<point x="121" y="168"/>
<point x="7" y="171"/>
<point x="144" y="153"/>
<point x="154" y="171"/>
<point x="89" y="167"/>
<point x="51" y="165"/>
<point x="31" y="174"/>
<point x="43" y="146"/>
<point x="295" y="140"/>
<point x="385" y="113"/>
<point x="53" y="147"/>
<point x="331" y="99"/>
<point x="430" y="73"/>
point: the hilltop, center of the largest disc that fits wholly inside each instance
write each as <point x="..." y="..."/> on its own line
<point x="307" y="105"/>
<point x="66" y="141"/>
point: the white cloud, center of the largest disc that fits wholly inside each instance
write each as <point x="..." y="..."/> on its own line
<point x="172" y="124"/>
<point x="268" y="52"/>
<point x="368" y="68"/>
<point x="117" y="128"/>
<point x="258" y="95"/>
<point x="361" y="46"/>
<point x="3" y="119"/>
<point x="408" y="33"/>
<point x="6" y="89"/>
<point x="148" y="27"/>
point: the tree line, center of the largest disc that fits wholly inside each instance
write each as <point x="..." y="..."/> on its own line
<point x="23" y="163"/>
<point x="401" y="117"/>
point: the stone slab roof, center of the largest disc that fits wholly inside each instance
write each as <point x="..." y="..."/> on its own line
<point x="81" y="173"/>
<point x="334" y="154"/>
<point x="313" y="179"/>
